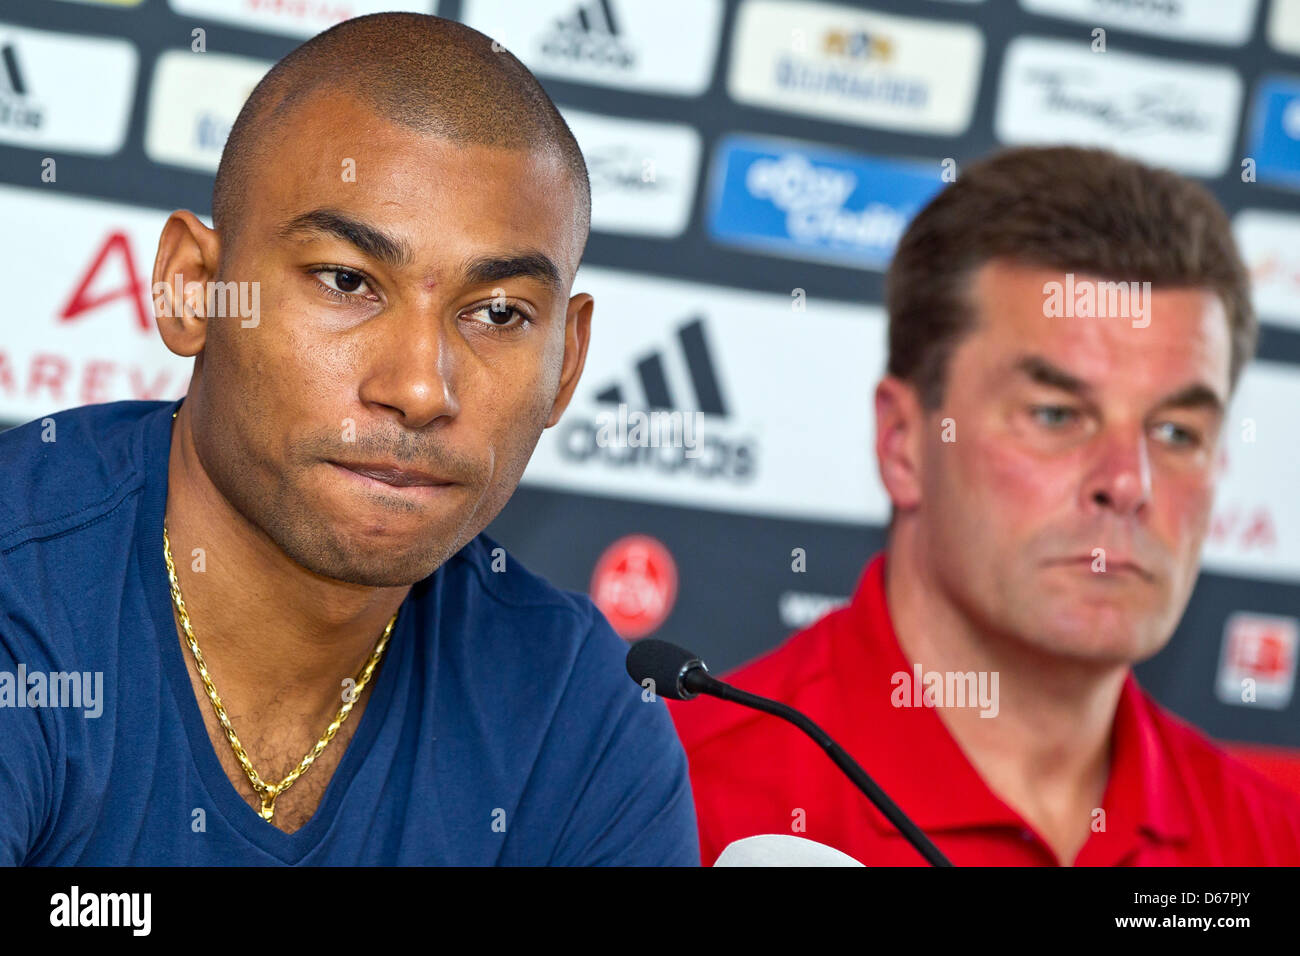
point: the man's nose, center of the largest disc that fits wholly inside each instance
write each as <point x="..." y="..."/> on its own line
<point x="1120" y="479"/>
<point x="415" y="367"/>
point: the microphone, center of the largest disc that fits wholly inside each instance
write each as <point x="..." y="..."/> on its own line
<point x="781" y="849"/>
<point x="678" y="674"/>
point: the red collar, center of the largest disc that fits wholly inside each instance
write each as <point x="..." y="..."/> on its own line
<point x="921" y="766"/>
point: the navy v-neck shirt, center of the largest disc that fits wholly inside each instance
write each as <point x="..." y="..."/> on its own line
<point x="502" y="727"/>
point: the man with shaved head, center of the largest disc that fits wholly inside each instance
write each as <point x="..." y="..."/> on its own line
<point x="305" y="649"/>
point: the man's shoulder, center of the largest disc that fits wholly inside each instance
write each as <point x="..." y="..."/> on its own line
<point x="796" y="672"/>
<point x="485" y="571"/>
<point x="1221" y="779"/>
<point x="64" y="469"/>
<point x="517" y="615"/>
<point x="606" y="775"/>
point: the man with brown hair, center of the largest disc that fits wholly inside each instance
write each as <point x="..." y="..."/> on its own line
<point x="1066" y="328"/>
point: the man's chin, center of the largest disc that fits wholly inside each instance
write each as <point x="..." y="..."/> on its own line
<point x="377" y="561"/>
<point x="385" y="569"/>
<point x="1105" y="637"/>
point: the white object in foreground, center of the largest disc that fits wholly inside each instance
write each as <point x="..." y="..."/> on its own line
<point x="780" y="849"/>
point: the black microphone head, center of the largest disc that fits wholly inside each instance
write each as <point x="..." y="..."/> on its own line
<point x="665" y="664"/>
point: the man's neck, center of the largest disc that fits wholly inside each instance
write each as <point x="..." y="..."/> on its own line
<point x="1046" y="753"/>
<point x="270" y="630"/>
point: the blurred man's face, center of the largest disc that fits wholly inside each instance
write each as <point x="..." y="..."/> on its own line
<point x="414" y="314"/>
<point x="1081" y="443"/>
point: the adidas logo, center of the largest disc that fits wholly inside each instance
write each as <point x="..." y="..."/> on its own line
<point x="654" y="383"/>
<point x="604" y="439"/>
<point x="589" y="35"/>
<point x="13" y="77"/>
<point x="16" y="109"/>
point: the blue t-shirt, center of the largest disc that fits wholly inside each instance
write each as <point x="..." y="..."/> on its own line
<point x="502" y="727"/>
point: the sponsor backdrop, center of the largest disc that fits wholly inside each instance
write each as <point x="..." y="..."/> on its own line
<point x="753" y="164"/>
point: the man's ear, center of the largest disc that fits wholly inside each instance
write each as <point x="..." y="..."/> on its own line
<point x="900" y="422"/>
<point x="577" y="335"/>
<point x="188" y="257"/>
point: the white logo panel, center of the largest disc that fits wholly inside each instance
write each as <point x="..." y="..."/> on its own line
<point x="668" y="46"/>
<point x="295" y="18"/>
<point x="1180" y="115"/>
<point x="1255" y="529"/>
<point x="193" y="103"/>
<point x="45" y="101"/>
<point x="867" y="69"/>
<point x="643" y="174"/>
<point x="1270" y="245"/>
<point x="787" y="419"/>
<point x="1200" y="21"/>
<point x="87" y="333"/>
<point x="1284" y="25"/>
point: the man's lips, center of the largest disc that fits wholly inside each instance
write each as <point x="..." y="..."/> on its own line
<point x="397" y="476"/>
<point x="1113" y="564"/>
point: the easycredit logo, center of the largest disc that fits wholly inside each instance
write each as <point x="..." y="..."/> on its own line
<point x="45" y="103"/>
<point x="1273" y="137"/>
<point x="1180" y="115"/>
<point x="865" y="69"/>
<point x="811" y="202"/>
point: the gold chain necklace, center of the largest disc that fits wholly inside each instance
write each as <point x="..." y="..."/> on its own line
<point x="267" y="792"/>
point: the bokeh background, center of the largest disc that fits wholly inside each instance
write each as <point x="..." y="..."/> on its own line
<point x="753" y="163"/>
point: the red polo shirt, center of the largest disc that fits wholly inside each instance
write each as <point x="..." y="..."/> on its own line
<point x="1173" y="797"/>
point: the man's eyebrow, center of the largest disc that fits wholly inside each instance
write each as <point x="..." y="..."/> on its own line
<point x="1197" y="395"/>
<point x="528" y="265"/>
<point x="374" y="242"/>
<point x="1043" y="372"/>
<point x="1037" y="368"/>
